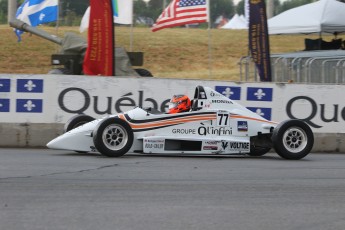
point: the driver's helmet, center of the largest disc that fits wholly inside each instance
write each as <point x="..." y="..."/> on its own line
<point x="179" y="103"/>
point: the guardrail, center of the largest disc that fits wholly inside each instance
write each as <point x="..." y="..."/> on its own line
<point x="304" y="67"/>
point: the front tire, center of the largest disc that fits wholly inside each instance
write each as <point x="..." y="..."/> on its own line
<point x="293" y="139"/>
<point x="113" y="137"/>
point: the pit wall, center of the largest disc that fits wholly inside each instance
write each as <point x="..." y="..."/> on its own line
<point x="34" y="108"/>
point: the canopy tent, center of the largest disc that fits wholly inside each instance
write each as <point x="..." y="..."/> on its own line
<point x="324" y="16"/>
<point x="236" y="22"/>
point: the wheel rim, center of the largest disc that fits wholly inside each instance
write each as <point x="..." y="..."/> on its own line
<point x="295" y="139"/>
<point x="115" y="137"/>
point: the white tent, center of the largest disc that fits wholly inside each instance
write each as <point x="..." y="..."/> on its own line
<point x="324" y="16"/>
<point x="236" y="22"/>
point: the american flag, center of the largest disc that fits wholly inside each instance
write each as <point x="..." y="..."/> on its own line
<point x="182" y="12"/>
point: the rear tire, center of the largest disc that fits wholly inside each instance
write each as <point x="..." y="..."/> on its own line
<point x="76" y="121"/>
<point x="113" y="137"/>
<point x="293" y="139"/>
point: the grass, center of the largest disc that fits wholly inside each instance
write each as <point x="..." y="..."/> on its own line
<point x="169" y="53"/>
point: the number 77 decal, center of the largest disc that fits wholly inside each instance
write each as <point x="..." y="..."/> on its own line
<point x="223" y="118"/>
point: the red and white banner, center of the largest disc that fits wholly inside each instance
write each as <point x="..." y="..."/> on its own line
<point x="99" y="57"/>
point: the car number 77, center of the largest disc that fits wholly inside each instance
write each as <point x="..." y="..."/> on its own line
<point x="223" y="118"/>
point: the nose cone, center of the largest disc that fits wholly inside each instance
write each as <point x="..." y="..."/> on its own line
<point x="78" y="139"/>
<point x="56" y="143"/>
<point x="65" y="141"/>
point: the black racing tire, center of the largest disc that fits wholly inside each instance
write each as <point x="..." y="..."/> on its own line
<point x="257" y="152"/>
<point x="143" y="72"/>
<point x="113" y="137"/>
<point x="293" y="139"/>
<point x="76" y="121"/>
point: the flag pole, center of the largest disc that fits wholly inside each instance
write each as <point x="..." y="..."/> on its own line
<point x="57" y="21"/>
<point x="209" y="39"/>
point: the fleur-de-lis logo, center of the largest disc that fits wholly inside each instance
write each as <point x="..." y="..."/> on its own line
<point x="227" y="92"/>
<point x="260" y="94"/>
<point x="30" y="85"/>
<point x="29" y="105"/>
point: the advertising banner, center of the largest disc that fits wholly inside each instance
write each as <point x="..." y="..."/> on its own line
<point x="258" y="38"/>
<point x="54" y="99"/>
<point x="99" y="57"/>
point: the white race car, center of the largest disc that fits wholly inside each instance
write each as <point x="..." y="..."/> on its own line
<point x="214" y="125"/>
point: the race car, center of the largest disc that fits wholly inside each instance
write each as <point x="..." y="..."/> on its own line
<point x="214" y="125"/>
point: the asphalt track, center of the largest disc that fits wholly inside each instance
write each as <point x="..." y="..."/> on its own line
<point x="46" y="189"/>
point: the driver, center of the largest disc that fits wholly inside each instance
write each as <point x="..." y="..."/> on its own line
<point x="179" y="103"/>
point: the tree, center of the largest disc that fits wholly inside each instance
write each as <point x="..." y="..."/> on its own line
<point x="140" y="8"/>
<point x="155" y="8"/>
<point x="240" y="7"/>
<point x="3" y="11"/>
<point x="221" y="7"/>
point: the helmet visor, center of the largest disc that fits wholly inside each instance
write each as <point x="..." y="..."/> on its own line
<point x="172" y="105"/>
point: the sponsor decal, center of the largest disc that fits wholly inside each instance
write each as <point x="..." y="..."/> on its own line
<point x="211" y="142"/>
<point x="29" y="85"/>
<point x="225" y="145"/>
<point x="183" y="131"/>
<point x="154" y="145"/>
<point x="5" y="85"/>
<point x="210" y="148"/>
<point x="237" y="146"/>
<point x="4" y="105"/>
<point x="259" y="94"/>
<point x="242" y="126"/>
<point x="234" y="93"/>
<point x="153" y="141"/>
<point x="264" y="112"/>
<point x="29" y="106"/>
<point x="221" y="101"/>
<point x="218" y="131"/>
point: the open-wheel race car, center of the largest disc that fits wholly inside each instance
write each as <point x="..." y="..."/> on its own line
<point x="214" y="125"/>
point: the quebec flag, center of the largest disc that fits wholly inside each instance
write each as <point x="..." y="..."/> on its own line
<point x="259" y="94"/>
<point x="30" y="85"/>
<point x="5" y="85"/>
<point x="29" y="106"/>
<point x="264" y="112"/>
<point x="232" y="92"/>
<point x="36" y="12"/>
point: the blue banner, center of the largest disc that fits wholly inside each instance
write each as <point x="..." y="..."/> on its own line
<point x="232" y="92"/>
<point x="264" y="112"/>
<point x="5" y="85"/>
<point x="4" y="105"/>
<point x="29" y="106"/>
<point x="259" y="94"/>
<point x="258" y="38"/>
<point x="29" y="85"/>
